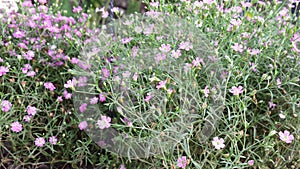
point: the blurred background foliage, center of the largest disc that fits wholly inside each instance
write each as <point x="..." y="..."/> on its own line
<point x="130" y="6"/>
<point x="90" y="6"/>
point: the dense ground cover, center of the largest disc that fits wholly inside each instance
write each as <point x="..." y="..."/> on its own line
<point x="259" y="127"/>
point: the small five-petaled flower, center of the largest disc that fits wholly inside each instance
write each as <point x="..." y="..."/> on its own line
<point x="286" y="136"/>
<point x="236" y="90"/>
<point x="218" y="143"/>
<point x="40" y="141"/>
<point x="181" y="162"/>
<point x="104" y="122"/>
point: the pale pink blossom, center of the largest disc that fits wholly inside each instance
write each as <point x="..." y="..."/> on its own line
<point x="218" y="143"/>
<point x="286" y="136"/>
<point x="16" y="127"/>
<point x="238" y="47"/>
<point x="236" y="90"/>
<point x="182" y="162"/>
<point x="82" y="125"/>
<point x="165" y="48"/>
<point x="104" y="122"/>
<point x="251" y="162"/>
<point x="40" y="142"/>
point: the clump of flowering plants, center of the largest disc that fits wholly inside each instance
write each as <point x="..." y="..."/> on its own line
<point x="38" y="46"/>
<point x="163" y="85"/>
<point x="45" y="106"/>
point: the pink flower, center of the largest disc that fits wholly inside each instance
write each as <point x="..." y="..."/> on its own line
<point x="253" y="67"/>
<point x="170" y="91"/>
<point x="53" y="140"/>
<point x="29" y="55"/>
<point x="74" y="60"/>
<point x="134" y="51"/>
<point x="153" y="14"/>
<point x="246" y="4"/>
<point x="78" y="33"/>
<point x="31" y="110"/>
<point x="82" y="107"/>
<point x="148" y="97"/>
<point x="246" y="35"/>
<point x="115" y="9"/>
<point x="5" y="105"/>
<point x="286" y="136"/>
<point x="272" y="105"/>
<point x="160" y="57"/>
<point x="135" y="76"/>
<point x="278" y="82"/>
<point x="218" y="143"/>
<point x="102" y="97"/>
<point x="122" y="166"/>
<point x="186" y="46"/>
<point x="18" y="34"/>
<point x="82" y="81"/>
<point x="154" y="4"/>
<point x="236" y="22"/>
<point x="94" y="100"/>
<point x="126" y="40"/>
<point x="67" y="95"/>
<point x="22" y="45"/>
<point x="101" y="143"/>
<point x="236" y="90"/>
<point x="70" y="83"/>
<point x="27" y="118"/>
<point x="161" y="84"/>
<point x="40" y="141"/>
<point x="129" y="123"/>
<point x="251" y="162"/>
<point x="16" y="127"/>
<point x="59" y="98"/>
<point x="105" y="14"/>
<point x="165" y="48"/>
<point x="238" y="47"/>
<point x="197" y="62"/>
<point x="82" y="125"/>
<point x="43" y="8"/>
<point x="105" y="73"/>
<point x="3" y="70"/>
<point x="42" y="1"/>
<point x="32" y="24"/>
<point x="187" y="67"/>
<point x="148" y="30"/>
<point x="253" y="51"/>
<point x="77" y="10"/>
<point x="31" y="73"/>
<point x="296" y="37"/>
<point x="104" y="122"/>
<point x="27" y="4"/>
<point x="26" y="68"/>
<point x="209" y="2"/>
<point x="206" y="91"/>
<point x="50" y="86"/>
<point x="176" y="54"/>
<point x="181" y="162"/>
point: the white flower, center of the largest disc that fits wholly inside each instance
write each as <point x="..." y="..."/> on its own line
<point x="218" y="143"/>
<point x="9" y="5"/>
